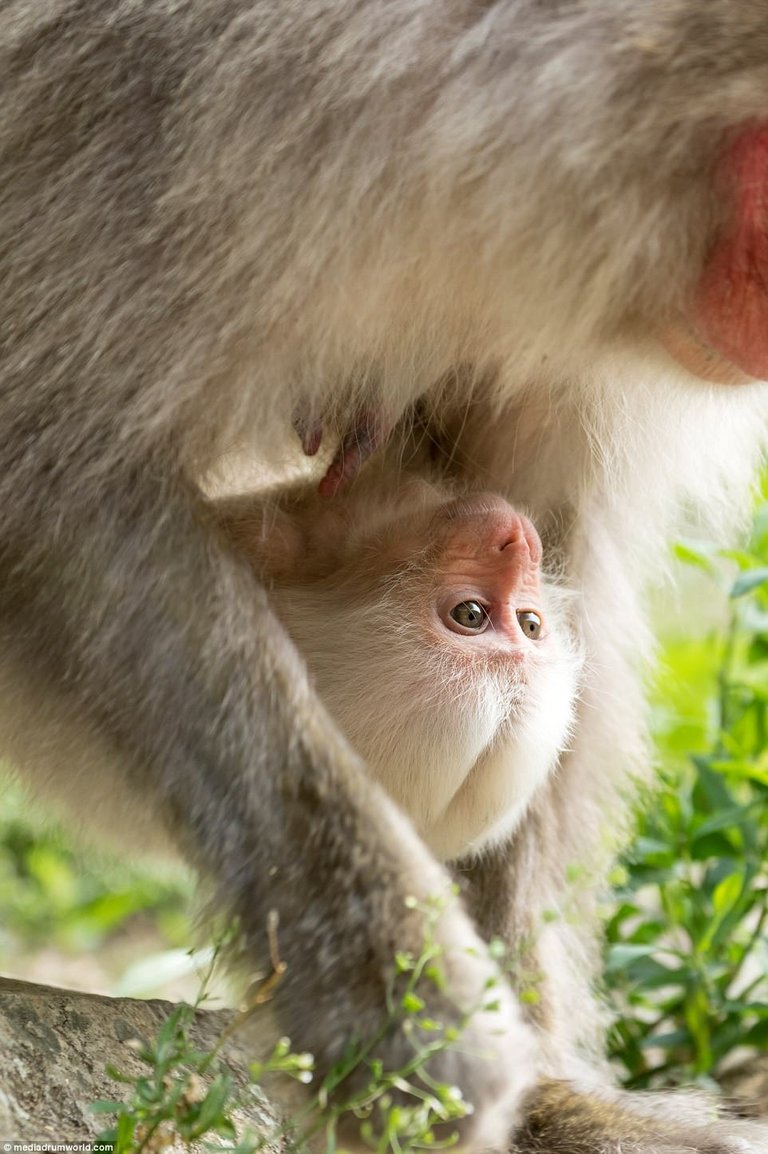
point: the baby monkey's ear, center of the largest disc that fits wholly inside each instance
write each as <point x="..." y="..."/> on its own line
<point x="288" y="539"/>
<point x="261" y="531"/>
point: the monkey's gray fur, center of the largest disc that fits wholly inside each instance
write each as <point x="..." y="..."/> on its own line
<point x="214" y="213"/>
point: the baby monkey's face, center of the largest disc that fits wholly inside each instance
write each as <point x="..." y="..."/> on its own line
<point x="478" y="564"/>
<point x="436" y="644"/>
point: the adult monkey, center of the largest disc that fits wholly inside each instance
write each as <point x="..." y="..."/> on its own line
<point x="215" y="214"/>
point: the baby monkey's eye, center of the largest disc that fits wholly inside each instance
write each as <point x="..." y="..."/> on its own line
<point x="470" y="615"/>
<point x="530" y="623"/>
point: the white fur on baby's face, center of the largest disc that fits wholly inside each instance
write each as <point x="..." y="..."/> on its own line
<point x="461" y="725"/>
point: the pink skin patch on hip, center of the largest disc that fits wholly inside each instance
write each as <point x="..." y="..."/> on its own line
<point x="727" y="339"/>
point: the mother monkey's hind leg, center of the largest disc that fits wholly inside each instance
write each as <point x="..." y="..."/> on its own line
<point x="161" y="641"/>
<point x="124" y="615"/>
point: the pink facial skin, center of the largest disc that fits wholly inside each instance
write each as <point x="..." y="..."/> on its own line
<point x="726" y="340"/>
<point x="489" y="559"/>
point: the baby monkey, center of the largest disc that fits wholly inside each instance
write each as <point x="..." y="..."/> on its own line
<point x="432" y="636"/>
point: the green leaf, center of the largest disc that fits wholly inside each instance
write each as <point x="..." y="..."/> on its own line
<point x="620" y="956"/>
<point x="727" y="893"/>
<point x="757" y="1035"/>
<point x="696" y="554"/>
<point x="711" y="845"/>
<point x="118" y="1075"/>
<point x="124" y="1131"/>
<point x="211" y="1108"/>
<point x="169" y="1035"/>
<point x="749" y="580"/>
<point x="726" y="818"/>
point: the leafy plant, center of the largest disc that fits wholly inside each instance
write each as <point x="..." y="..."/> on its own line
<point x="188" y="1094"/>
<point x="184" y="1092"/>
<point x="53" y="894"/>
<point x="687" y="958"/>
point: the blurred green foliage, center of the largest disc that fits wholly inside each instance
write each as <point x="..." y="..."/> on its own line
<point x="58" y="896"/>
<point x="687" y="954"/>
